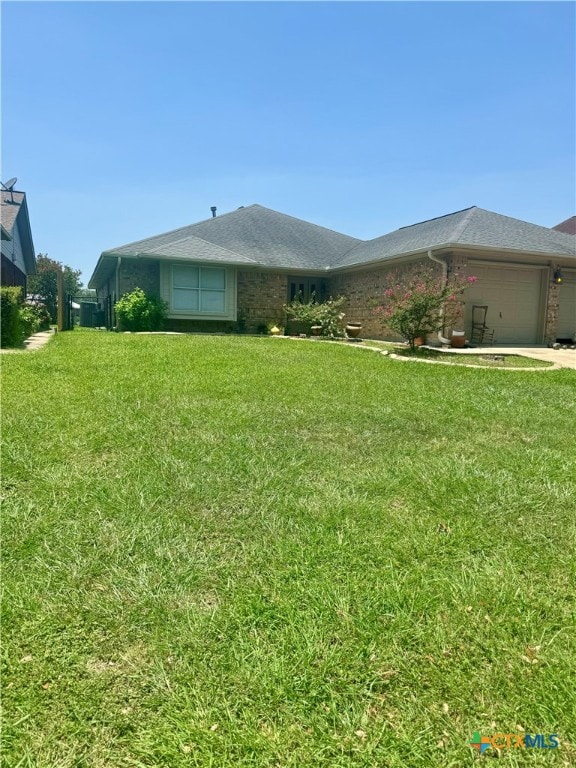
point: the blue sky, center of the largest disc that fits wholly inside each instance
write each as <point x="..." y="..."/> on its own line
<point x="126" y="119"/>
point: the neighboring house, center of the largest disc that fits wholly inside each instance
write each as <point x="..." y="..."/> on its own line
<point x="568" y="226"/>
<point x="248" y="263"/>
<point x="18" y="259"/>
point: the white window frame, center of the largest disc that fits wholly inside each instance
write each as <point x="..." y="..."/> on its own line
<point x="167" y="286"/>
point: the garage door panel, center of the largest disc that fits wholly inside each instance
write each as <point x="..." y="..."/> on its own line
<point x="567" y="308"/>
<point x="513" y="297"/>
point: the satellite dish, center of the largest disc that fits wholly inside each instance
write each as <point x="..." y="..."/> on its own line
<point x="9" y="185"/>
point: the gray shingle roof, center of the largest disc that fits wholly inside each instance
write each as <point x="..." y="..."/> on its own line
<point x="262" y="237"/>
<point x="470" y="227"/>
<point x="195" y="249"/>
<point x="252" y="235"/>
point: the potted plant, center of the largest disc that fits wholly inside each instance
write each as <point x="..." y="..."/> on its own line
<point x="353" y="330"/>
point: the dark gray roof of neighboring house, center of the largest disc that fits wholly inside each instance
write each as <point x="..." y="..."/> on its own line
<point x="14" y="209"/>
<point x="471" y="227"/>
<point x="251" y="235"/>
<point x="9" y="209"/>
<point x="568" y="226"/>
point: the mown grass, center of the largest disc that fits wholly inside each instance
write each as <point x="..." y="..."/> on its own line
<point x="227" y="551"/>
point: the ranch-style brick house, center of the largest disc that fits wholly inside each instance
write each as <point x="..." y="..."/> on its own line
<point x="240" y="268"/>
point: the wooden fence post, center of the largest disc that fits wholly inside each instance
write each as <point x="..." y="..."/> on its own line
<point x="61" y="302"/>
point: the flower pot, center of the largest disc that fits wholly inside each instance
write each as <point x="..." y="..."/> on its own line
<point x="419" y="341"/>
<point x="458" y="339"/>
<point x="353" y="330"/>
<point x="316" y="330"/>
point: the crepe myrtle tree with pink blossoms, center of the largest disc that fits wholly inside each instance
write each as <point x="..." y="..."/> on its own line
<point x="418" y="301"/>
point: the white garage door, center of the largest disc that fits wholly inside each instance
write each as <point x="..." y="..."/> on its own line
<point x="513" y="297"/>
<point x="567" y="309"/>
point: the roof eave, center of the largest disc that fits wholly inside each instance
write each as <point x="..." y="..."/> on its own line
<point x="450" y="246"/>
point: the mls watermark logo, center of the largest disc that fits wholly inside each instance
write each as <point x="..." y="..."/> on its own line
<point x="514" y="741"/>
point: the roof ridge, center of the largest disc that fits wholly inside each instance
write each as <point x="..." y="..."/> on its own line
<point x="426" y="221"/>
<point x="549" y="230"/>
<point x="305" y="221"/>
<point x="463" y="226"/>
<point x="177" y="229"/>
<point x="208" y="242"/>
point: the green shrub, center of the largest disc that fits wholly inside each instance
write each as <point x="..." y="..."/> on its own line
<point x="326" y="314"/>
<point x="137" y="311"/>
<point x="330" y="317"/>
<point x="11" y="332"/>
<point x="42" y="313"/>
<point x="29" y="320"/>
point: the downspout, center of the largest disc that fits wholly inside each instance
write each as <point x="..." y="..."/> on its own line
<point x="118" y="263"/>
<point x="441" y="338"/>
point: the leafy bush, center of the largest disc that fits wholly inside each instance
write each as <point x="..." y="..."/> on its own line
<point x="137" y="311"/>
<point x="419" y="302"/>
<point x="11" y="332"/>
<point x="327" y="314"/>
<point x="331" y="318"/>
<point x="40" y="311"/>
<point x="29" y="320"/>
<point x="307" y="311"/>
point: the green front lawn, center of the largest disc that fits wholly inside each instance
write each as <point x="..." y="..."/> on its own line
<point x="228" y="552"/>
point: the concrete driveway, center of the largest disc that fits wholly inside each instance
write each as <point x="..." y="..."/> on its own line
<point x="564" y="357"/>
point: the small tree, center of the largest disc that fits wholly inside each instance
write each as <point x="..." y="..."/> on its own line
<point x="43" y="286"/>
<point x="418" y="302"/>
<point x="136" y="311"/>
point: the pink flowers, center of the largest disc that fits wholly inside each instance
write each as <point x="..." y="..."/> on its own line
<point x="417" y="301"/>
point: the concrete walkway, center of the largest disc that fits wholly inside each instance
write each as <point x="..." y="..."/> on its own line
<point x="34" y="342"/>
<point x="566" y="358"/>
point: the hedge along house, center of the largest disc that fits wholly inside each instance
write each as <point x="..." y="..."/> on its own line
<point x="241" y="268"/>
<point x="18" y="258"/>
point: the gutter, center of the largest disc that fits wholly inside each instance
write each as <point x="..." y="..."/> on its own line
<point x="441" y="338"/>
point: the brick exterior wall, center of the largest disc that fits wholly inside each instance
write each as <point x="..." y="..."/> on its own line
<point x="140" y="273"/>
<point x="364" y="290"/>
<point x="552" y="307"/>
<point x="262" y="295"/>
<point x="457" y="265"/>
<point x="261" y="298"/>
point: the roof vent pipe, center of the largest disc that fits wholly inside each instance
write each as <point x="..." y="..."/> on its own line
<point x="213" y="209"/>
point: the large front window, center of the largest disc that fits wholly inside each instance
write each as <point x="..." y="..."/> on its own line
<point x="199" y="290"/>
